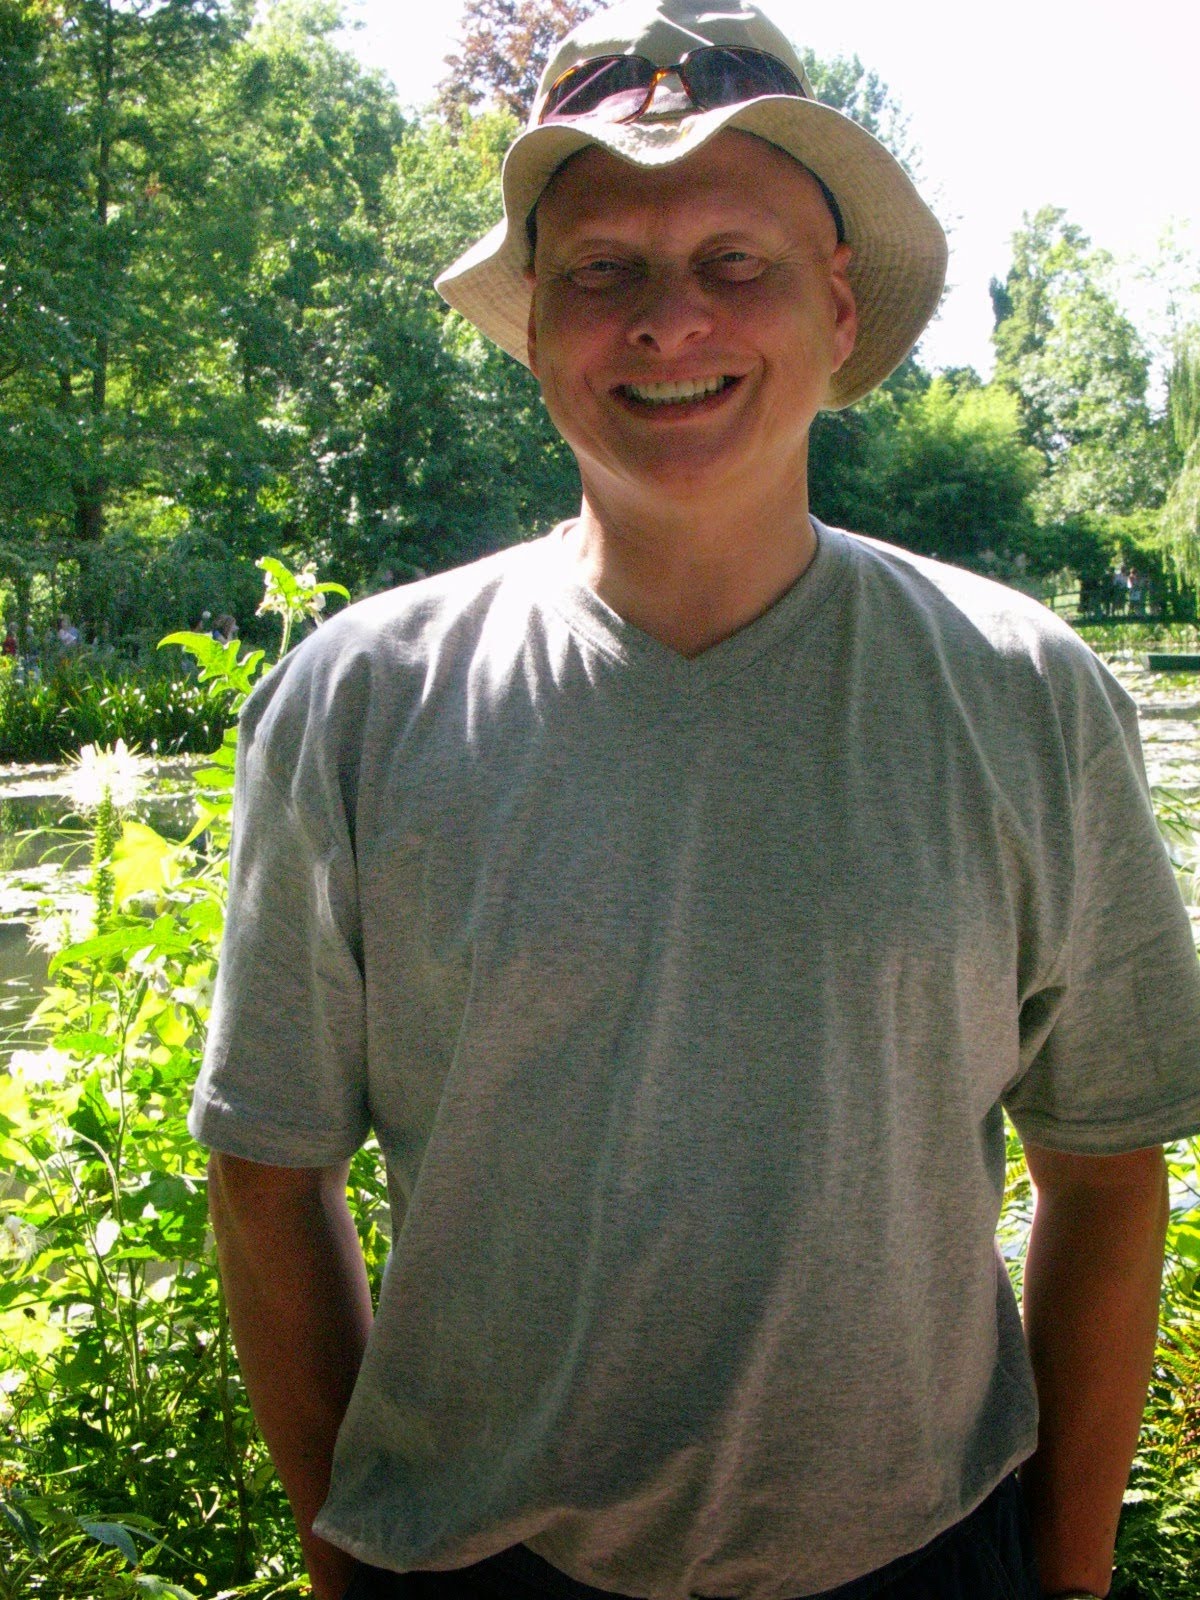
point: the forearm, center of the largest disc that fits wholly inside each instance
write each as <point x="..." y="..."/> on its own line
<point x="300" y="1310"/>
<point x="1092" y="1282"/>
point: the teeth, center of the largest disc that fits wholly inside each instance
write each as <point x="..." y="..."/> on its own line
<point x="659" y="394"/>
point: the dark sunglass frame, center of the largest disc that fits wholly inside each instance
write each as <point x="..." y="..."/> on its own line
<point x="713" y="76"/>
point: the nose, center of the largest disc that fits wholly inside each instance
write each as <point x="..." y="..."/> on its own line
<point x="674" y="310"/>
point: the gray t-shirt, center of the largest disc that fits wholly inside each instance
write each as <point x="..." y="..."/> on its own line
<point x="683" y="997"/>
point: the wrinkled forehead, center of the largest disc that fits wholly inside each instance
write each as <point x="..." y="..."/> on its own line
<point x="664" y="33"/>
<point x="758" y="163"/>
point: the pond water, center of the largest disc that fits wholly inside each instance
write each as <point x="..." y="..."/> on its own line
<point x="38" y="856"/>
<point x="1169" y="718"/>
<point x="44" y="851"/>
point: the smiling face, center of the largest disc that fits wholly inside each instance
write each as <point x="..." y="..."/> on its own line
<point x="685" y="323"/>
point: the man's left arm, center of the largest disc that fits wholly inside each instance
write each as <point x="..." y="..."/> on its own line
<point x="1092" y="1280"/>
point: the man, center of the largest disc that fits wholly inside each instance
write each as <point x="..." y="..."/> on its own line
<point x="680" y="898"/>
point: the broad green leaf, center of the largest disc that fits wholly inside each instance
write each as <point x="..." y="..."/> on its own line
<point x="162" y="936"/>
<point x="140" y="861"/>
<point x="23" y="1524"/>
<point x="121" y="941"/>
<point x="173" y="1027"/>
<point x="84" y="1043"/>
<point x="1183" y="1240"/>
<point x="14" y="1105"/>
<point x="147" y="1583"/>
<point x="49" y="1512"/>
<point x="112" y="1533"/>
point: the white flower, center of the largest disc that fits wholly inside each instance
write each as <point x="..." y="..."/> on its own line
<point x="18" y="1239"/>
<point x="68" y="920"/>
<point x="280" y="596"/>
<point x="153" y="968"/>
<point x="119" y="773"/>
<point x="197" y="995"/>
<point x="40" y="1066"/>
<point x="105" y="1234"/>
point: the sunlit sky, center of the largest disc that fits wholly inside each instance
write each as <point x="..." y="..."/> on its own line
<point x="1091" y="105"/>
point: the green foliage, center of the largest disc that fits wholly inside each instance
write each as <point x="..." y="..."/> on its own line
<point x="130" y="1463"/>
<point x="844" y="83"/>
<point x="1158" y="1553"/>
<point x="291" y="596"/>
<point x="155" y="571"/>
<point x="953" y="479"/>
<point x="1180" y="527"/>
<point x="79" y="703"/>
<point x="231" y="343"/>
<point x="108" y="1293"/>
<point x="939" y="467"/>
<point x="42" y="161"/>
<point x="1097" y="548"/>
<point x="1079" y="371"/>
<point x="1125" y="635"/>
<point x="116" y="77"/>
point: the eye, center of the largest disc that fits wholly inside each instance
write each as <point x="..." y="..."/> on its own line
<point x="602" y="272"/>
<point x="733" y="266"/>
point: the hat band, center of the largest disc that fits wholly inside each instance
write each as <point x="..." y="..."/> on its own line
<point x="619" y="88"/>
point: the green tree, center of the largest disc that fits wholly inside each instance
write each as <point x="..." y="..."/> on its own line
<point x="1079" y="372"/>
<point x="844" y="83"/>
<point x="946" y="473"/>
<point x="192" y="385"/>
<point x="100" y="173"/>
<point x="271" y="411"/>
<point x="1180" y="522"/>
<point x="125" y="67"/>
<point x="462" y="455"/>
<point x="841" y="445"/>
<point x="42" y="162"/>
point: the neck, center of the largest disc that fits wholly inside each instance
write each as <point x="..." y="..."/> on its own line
<point x="691" y="580"/>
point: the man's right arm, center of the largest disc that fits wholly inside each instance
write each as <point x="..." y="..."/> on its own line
<point x="300" y="1309"/>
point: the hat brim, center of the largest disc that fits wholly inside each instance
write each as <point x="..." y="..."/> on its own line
<point x="898" y="250"/>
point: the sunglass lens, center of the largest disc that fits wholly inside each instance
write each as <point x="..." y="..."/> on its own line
<point x="618" y="83"/>
<point x="720" y="77"/>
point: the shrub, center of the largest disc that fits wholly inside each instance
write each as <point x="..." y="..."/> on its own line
<point x="131" y="1465"/>
<point x="81" y="702"/>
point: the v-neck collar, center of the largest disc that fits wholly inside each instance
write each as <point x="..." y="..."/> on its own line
<point x="647" y="662"/>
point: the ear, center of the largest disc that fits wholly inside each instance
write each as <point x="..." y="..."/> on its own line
<point x="531" y="329"/>
<point x="845" y="326"/>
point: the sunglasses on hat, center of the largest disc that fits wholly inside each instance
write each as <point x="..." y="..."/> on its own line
<point x="619" y="88"/>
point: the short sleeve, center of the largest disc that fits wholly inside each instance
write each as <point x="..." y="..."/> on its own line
<point x="1113" y="1045"/>
<point x="284" y="1074"/>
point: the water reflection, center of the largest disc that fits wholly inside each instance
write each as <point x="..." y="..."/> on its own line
<point x="45" y="851"/>
<point x="22" y="978"/>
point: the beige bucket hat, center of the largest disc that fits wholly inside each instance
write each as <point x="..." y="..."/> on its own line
<point x="898" y="262"/>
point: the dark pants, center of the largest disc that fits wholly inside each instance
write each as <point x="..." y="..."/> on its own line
<point x="987" y="1556"/>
